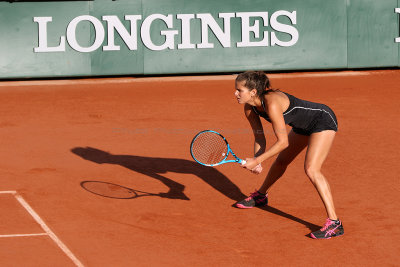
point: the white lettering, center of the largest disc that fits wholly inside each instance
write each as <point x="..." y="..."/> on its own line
<point x="169" y="35"/>
<point x="247" y="29"/>
<point x="253" y="27"/>
<point x="185" y="43"/>
<point x="224" y="37"/>
<point x="284" y="28"/>
<point x="43" y="45"/>
<point x="130" y="39"/>
<point x="397" y="10"/>
<point x="99" y="34"/>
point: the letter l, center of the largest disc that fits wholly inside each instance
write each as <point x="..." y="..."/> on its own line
<point x="43" y="46"/>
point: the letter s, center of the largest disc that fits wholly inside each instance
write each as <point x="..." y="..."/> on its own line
<point x="284" y="28"/>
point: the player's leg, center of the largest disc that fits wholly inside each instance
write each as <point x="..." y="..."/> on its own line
<point x="318" y="149"/>
<point x="297" y="143"/>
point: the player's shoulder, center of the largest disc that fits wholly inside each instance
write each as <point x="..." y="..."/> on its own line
<point x="273" y="97"/>
<point x="277" y="100"/>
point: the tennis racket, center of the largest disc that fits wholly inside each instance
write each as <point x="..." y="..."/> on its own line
<point x="210" y="148"/>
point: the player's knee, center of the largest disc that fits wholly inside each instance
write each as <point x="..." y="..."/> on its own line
<point x="312" y="172"/>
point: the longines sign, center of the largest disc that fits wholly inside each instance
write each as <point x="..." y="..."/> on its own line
<point x="250" y="26"/>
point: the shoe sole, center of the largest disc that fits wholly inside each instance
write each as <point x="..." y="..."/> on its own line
<point x="313" y="236"/>
<point x="240" y="206"/>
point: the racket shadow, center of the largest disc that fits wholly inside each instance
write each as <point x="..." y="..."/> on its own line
<point x="111" y="190"/>
<point x="155" y="167"/>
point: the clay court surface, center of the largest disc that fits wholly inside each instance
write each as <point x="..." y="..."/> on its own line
<point x="72" y="150"/>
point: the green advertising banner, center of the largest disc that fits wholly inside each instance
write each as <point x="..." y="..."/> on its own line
<point x="134" y="37"/>
<point x="397" y="40"/>
<point x="19" y="37"/>
<point x="257" y="34"/>
<point x="120" y="59"/>
<point x="372" y="27"/>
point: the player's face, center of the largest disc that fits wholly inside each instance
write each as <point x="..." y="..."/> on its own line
<point x="242" y="93"/>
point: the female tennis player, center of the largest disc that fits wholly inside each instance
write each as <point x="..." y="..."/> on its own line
<point x="313" y="125"/>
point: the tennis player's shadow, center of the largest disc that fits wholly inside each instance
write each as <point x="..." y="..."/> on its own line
<point x="154" y="167"/>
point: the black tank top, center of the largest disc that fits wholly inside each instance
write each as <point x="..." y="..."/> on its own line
<point x="301" y="114"/>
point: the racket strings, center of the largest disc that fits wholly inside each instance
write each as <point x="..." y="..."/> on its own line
<point x="209" y="148"/>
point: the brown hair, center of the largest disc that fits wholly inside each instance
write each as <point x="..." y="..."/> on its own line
<point x="255" y="80"/>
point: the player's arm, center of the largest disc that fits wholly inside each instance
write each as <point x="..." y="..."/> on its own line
<point x="257" y="129"/>
<point x="275" y="113"/>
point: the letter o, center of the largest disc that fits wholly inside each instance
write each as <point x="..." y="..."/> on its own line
<point x="99" y="34"/>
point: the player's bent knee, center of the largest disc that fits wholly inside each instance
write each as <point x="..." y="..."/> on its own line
<point x="312" y="173"/>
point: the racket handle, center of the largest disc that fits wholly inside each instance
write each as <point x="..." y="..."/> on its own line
<point x="243" y="162"/>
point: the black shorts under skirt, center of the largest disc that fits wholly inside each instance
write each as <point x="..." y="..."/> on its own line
<point x="325" y="121"/>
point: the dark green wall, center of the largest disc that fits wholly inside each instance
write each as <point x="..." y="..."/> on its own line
<point x="372" y="27"/>
<point x="332" y="34"/>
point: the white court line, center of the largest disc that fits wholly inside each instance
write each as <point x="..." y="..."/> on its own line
<point x="8" y="192"/>
<point x="48" y="231"/>
<point x="23" y="235"/>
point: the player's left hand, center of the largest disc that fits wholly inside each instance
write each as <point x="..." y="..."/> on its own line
<point x="252" y="165"/>
<point x="258" y="169"/>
